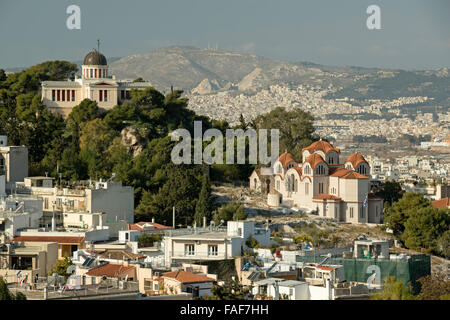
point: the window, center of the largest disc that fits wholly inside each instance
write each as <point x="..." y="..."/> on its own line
<point x="189" y="250"/>
<point x="101" y="95"/>
<point x="106" y="95"/>
<point x="94" y="280"/>
<point x="81" y="218"/>
<point x="96" y="75"/>
<point x="351" y="212"/>
<point x="213" y="250"/>
<point x="73" y="95"/>
<point x="127" y="236"/>
<point x="320" y="187"/>
<point x="330" y="160"/>
<point x="307" y="170"/>
<point x="90" y="73"/>
<point x="57" y="95"/>
<point x="45" y="203"/>
<point x="104" y="73"/>
<point x="122" y="94"/>
<point x="53" y="95"/>
<point x="63" y="95"/>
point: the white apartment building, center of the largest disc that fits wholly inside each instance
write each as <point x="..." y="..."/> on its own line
<point x="13" y="164"/>
<point x="18" y="213"/>
<point x="109" y="197"/>
<point x="206" y="244"/>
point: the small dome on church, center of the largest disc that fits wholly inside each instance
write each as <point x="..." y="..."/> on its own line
<point x="95" y="58"/>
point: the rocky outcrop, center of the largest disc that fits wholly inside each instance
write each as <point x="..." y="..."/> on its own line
<point x="133" y="139"/>
<point x="206" y="86"/>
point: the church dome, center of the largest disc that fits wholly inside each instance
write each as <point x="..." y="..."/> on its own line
<point x="95" y="58"/>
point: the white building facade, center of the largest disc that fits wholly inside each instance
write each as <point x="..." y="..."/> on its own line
<point x="95" y="84"/>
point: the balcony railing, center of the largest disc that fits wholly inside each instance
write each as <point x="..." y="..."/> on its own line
<point x="197" y="255"/>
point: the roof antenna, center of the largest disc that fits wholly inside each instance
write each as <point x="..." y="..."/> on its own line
<point x="98" y="45"/>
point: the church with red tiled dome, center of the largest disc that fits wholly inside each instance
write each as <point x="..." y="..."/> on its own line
<point x="321" y="184"/>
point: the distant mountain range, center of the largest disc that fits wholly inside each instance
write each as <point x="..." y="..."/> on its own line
<point x="204" y="71"/>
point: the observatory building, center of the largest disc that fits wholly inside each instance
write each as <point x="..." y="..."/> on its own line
<point x="95" y="83"/>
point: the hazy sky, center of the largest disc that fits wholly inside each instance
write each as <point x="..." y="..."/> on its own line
<point x="415" y="33"/>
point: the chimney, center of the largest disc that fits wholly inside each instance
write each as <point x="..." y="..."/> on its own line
<point x="204" y="222"/>
<point x="153" y="220"/>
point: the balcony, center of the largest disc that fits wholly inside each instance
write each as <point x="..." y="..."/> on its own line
<point x="198" y="255"/>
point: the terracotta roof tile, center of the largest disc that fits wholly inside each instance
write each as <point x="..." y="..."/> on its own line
<point x="443" y="203"/>
<point x="355" y="159"/>
<point x="285" y="158"/>
<point x="326" y="197"/>
<point x="187" y="277"/>
<point x="326" y="268"/>
<point x="321" y="145"/>
<point x="140" y="226"/>
<point x="299" y="170"/>
<point x="110" y="270"/>
<point x="348" y="174"/>
<point x="314" y="159"/>
<point x="58" y="239"/>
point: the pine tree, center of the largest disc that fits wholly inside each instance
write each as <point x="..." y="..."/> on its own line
<point x="204" y="203"/>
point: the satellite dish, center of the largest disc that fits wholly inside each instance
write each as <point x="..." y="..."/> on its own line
<point x="104" y="278"/>
<point x="71" y="269"/>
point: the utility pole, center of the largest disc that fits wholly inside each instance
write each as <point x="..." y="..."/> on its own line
<point x="173" y="217"/>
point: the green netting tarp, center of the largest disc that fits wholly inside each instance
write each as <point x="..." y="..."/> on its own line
<point x="359" y="270"/>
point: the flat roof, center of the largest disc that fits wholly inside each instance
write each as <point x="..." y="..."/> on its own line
<point x="268" y="281"/>
<point x="208" y="235"/>
<point x="40" y="178"/>
<point x="291" y="283"/>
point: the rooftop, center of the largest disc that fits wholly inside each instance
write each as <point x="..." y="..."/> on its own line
<point x="110" y="270"/>
<point x="58" y="239"/>
<point x="442" y="203"/>
<point x="187" y="277"/>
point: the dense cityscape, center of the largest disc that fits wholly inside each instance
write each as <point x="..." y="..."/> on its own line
<point x="93" y="206"/>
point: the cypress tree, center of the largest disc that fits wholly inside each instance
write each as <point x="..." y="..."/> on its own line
<point x="204" y="203"/>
